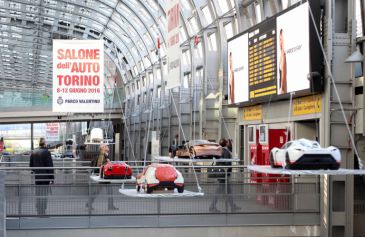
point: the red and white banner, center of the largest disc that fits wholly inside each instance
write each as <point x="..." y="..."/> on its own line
<point x="173" y="43"/>
<point x="78" y="76"/>
<point x="52" y="132"/>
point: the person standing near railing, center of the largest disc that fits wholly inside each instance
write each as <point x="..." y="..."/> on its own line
<point x="102" y="159"/>
<point x="41" y="157"/>
<point x="224" y="186"/>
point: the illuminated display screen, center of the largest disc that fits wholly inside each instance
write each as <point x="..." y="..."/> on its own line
<point x="271" y="60"/>
<point x="262" y="62"/>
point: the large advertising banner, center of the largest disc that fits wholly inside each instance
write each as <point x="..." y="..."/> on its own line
<point x="238" y="70"/>
<point x="173" y="44"/>
<point x="293" y="50"/>
<point x="78" y="76"/>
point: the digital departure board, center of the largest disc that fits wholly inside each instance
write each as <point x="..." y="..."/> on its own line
<point x="262" y="61"/>
<point x="272" y="59"/>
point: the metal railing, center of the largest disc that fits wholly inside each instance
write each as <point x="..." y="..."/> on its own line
<point x="75" y="194"/>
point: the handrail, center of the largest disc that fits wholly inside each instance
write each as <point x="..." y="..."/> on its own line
<point x="136" y="167"/>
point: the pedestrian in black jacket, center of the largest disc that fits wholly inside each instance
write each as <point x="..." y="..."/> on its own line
<point x="41" y="157"/>
<point x="224" y="188"/>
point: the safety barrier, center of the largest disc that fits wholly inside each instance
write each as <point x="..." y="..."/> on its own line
<point x="74" y="191"/>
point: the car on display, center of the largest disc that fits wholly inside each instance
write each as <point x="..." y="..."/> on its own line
<point x="305" y="154"/>
<point x="115" y="170"/>
<point x="56" y="156"/>
<point x="67" y="154"/>
<point x="160" y="177"/>
<point x="200" y="149"/>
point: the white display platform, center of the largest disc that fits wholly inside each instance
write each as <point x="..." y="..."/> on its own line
<point x="98" y="143"/>
<point x="187" y="160"/>
<point x="269" y="170"/>
<point x="96" y="178"/>
<point x="157" y="194"/>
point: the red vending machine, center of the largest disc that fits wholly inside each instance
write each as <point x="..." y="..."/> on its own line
<point x="255" y="152"/>
<point x="256" y="159"/>
<point x="267" y="184"/>
<point x="277" y="184"/>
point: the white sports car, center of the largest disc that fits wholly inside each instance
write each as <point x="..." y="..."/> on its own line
<point x="305" y="154"/>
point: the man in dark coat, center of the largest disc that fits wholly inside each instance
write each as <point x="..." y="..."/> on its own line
<point x="223" y="186"/>
<point x="41" y="157"/>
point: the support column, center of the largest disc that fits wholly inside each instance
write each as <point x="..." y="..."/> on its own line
<point x="31" y="137"/>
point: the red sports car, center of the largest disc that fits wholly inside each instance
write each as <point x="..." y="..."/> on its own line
<point x="160" y="176"/>
<point x="116" y="170"/>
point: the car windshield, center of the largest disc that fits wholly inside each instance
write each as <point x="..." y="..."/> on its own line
<point x="309" y="144"/>
<point x="286" y="145"/>
<point x="150" y="171"/>
<point x="199" y="142"/>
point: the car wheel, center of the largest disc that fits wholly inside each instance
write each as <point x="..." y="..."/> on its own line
<point x="287" y="161"/>
<point x="272" y="163"/>
<point x="180" y="189"/>
<point x="149" y="189"/>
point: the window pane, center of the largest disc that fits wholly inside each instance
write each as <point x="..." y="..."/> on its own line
<point x="186" y="5"/>
<point x="232" y="3"/>
<point x="207" y="15"/>
<point x="284" y="3"/>
<point x="212" y="46"/>
<point x="223" y="5"/>
<point x="182" y="34"/>
<point x="186" y="81"/>
<point x="193" y="25"/>
<point x="258" y="12"/>
<point x="229" y="30"/>
<point x="359" y="32"/>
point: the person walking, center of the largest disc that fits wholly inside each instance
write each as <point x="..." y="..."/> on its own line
<point x="223" y="182"/>
<point x="41" y="157"/>
<point x="102" y="159"/>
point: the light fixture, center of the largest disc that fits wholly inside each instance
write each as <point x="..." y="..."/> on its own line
<point x="355" y="57"/>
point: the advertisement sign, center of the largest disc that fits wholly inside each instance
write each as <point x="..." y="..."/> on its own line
<point x="52" y="132"/>
<point x="173" y="43"/>
<point x="307" y="105"/>
<point x="252" y="113"/>
<point x="78" y="76"/>
<point x="292" y="42"/>
<point x="238" y="69"/>
<point x="273" y="59"/>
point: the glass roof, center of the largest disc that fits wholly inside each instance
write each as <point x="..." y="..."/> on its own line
<point x="128" y="28"/>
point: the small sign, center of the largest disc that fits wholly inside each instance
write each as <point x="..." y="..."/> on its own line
<point x="307" y="105"/>
<point x="252" y="113"/>
<point x="52" y="132"/>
